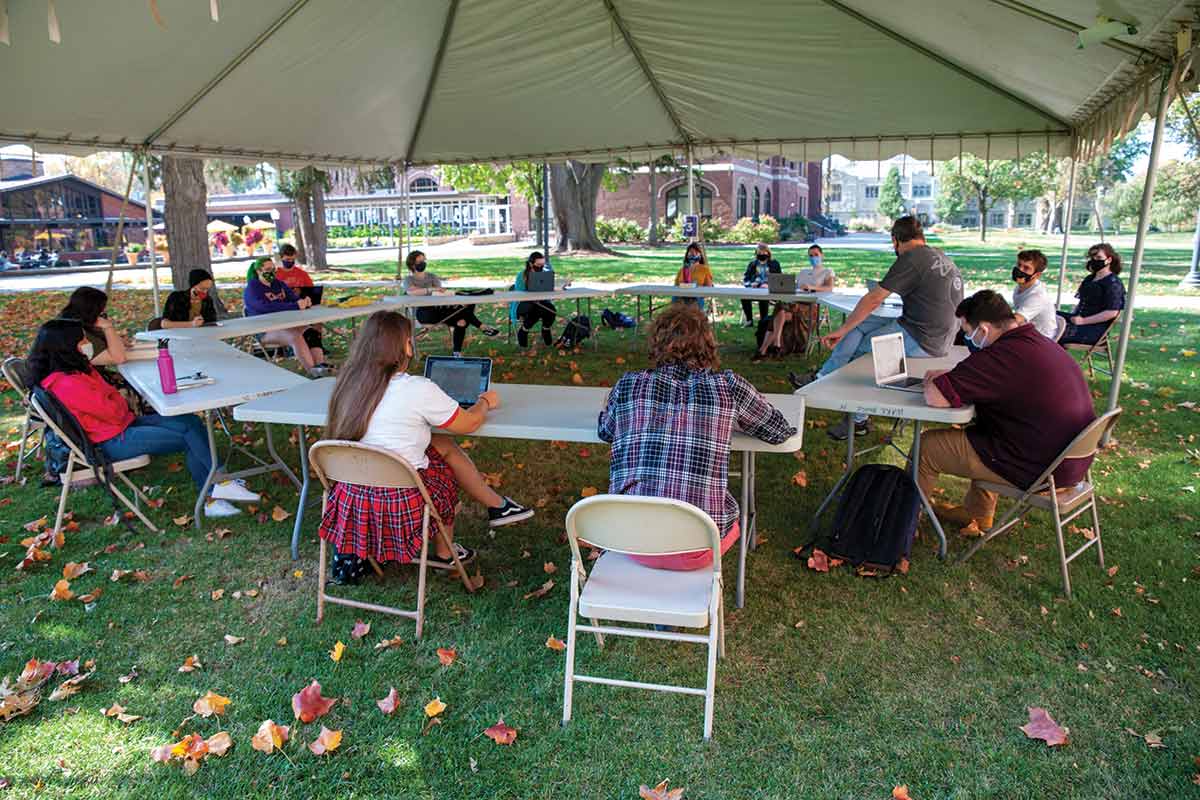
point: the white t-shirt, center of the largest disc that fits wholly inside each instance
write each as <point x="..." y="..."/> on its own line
<point x="1035" y="305"/>
<point x="410" y="407"/>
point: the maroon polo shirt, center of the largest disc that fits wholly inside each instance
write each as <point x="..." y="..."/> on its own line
<point x="1030" y="401"/>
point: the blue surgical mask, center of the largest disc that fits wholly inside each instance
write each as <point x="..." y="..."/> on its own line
<point x="815" y="261"/>
<point x="693" y="258"/>
<point x="973" y="345"/>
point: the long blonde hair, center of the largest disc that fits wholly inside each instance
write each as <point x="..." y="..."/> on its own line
<point x="379" y="352"/>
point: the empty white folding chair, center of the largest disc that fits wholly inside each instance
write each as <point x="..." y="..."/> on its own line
<point x="78" y="469"/>
<point x="15" y="373"/>
<point x="343" y="461"/>
<point x="1059" y="501"/>
<point x="620" y="589"/>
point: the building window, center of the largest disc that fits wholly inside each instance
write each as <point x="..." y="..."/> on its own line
<point x="767" y="208"/>
<point x="757" y="203"/>
<point x="970" y="221"/>
<point x="835" y="193"/>
<point x="871" y="192"/>
<point x="423" y="185"/>
<point x="741" y="203"/>
<point x="920" y="190"/>
<point x="1024" y="219"/>
<point x="677" y="201"/>
<point x="1081" y="218"/>
<point x="996" y="218"/>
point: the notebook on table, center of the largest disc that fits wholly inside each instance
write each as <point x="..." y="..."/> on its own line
<point x="891" y="364"/>
<point x="464" y="379"/>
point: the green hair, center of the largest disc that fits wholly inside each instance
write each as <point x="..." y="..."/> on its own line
<point x="252" y="273"/>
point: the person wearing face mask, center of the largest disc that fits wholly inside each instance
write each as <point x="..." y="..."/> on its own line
<point x="930" y="288"/>
<point x="378" y="403"/>
<point x="1101" y="298"/>
<point x="59" y="363"/>
<point x="1031" y="302"/>
<point x="528" y="313"/>
<point x="755" y="277"/>
<point x="291" y="273"/>
<point x="787" y="330"/>
<point x="420" y="281"/>
<point x="193" y="307"/>
<point x="694" y="272"/>
<point x="266" y="294"/>
<point x="1020" y="427"/>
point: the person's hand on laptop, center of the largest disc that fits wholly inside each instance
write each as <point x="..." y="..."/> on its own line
<point x="491" y="398"/>
<point x="304" y="302"/>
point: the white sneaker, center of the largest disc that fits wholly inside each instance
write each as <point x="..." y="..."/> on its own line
<point x="220" y="508"/>
<point x="236" y="491"/>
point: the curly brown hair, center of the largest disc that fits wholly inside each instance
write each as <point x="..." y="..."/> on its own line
<point x="681" y="335"/>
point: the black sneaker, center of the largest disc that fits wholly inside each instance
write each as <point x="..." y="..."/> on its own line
<point x="841" y="430"/>
<point x="800" y="381"/>
<point x="465" y="556"/>
<point x="488" y="330"/>
<point x="523" y="337"/>
<point x="509" y="513"/>
<point x="547" y="337"/>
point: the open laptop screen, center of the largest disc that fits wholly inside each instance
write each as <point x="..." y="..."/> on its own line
<point x="464" y="379"/>
<point x="888" y="353"/>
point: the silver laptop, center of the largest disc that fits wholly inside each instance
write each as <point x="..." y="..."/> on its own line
<point x="464" y="379"/>
<point x="891" y="364"/>
<point x="778" y="283"/>
<point x="541" y="281"/>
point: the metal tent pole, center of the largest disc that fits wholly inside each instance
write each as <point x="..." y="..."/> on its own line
<point x="403" y="222"/>
<point x="691" y="183"/>
<point x="546" y="209"/>
<point x="1139" y="247"/>
<point x="150" y="233"/>
<point x="1068" y="211"/>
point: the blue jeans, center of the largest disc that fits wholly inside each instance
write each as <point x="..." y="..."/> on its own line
<point x="156" y="435"/>
<point x="858" y="342"/>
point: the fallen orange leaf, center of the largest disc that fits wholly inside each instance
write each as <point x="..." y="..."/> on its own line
<point x="901" y="793"/>
<point x="190" y="663"/>
<point x="549" y="568"/>
<point x="389" y="704"/>
<point x="660" y="792"/>
<point x="62" y="590"/>
<point x="395" y="641"/>
<point x="308" y="704"/>
<point x="327" y="742"/>
<point x="270" y="736"/>
<point x="540" y="591"/>
<point x="434" y="707"/>
<point x="800" y="479"/>
<point x="219" y="743"/>
<point x="446" y="655"/>
<point x="211" y="703"/>
<point x="337" y="651"/>
<point x="556" y="644"/>
<point x="501" y="733"/>
<point x="71" y="570"/>
<point x="589" y="491"/>
<point x="818" y="561"/>
<point x="1042" y="726"/>
<point x="278" y="514"/>
<point x="217" y="594"/>
<point x="91" y="596"/>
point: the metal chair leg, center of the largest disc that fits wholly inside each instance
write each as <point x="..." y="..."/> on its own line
<point x="21" y="451"/>
<point x="321" y="584"/>
<point x="1062" y="547"/>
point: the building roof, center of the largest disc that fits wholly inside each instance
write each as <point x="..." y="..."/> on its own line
<point x="451" y="81"/>
<point x="25" y="183"/>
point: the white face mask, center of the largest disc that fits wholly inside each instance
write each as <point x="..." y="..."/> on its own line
<point x="88" y="350"/>
<point x="979" y="345"/>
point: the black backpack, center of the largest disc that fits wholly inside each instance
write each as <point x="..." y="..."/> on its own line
<point x="577" y="329"/>
<point x="876" y="519"/>
<point x="615" y="320"/>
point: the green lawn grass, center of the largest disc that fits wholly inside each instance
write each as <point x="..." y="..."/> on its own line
<point x="834" y="686"/>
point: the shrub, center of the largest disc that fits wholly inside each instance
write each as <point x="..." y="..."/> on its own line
<point x="864" y="224"/>
<point x="793" y="227"/>
<point x="747" y="231"/>
<point x="619" y="230"/>
<point x="710" y="231"/>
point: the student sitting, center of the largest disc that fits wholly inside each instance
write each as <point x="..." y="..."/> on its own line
<point x="755" y="277"/>
<point x="194" y="307"/>
<point x="670" y="425"/>
<point x="87" y="307"/>
<point x="787" y="330"/>
<point x="266" y="294"/>
<point x="1101" y="298"/>
<point x="290" y="272"/>
<point x="420" y="282"/>
<point x="1031" y="302"/>
<point x="377" y="402"/>
<point x="530" y="312"/>
<point x="59" y="363"/>
<point x="694" y="272"/>
<point x="1018" y="430"/>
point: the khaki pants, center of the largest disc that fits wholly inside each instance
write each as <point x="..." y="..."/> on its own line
<point x="947" y="451"/>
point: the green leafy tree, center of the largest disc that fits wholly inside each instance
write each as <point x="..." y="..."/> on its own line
<point x="975" y="180"/>
<point x="1098" y="178"/>
<point x="1183" y="123"/>
<point x="891" y="202"/>
<point x="522" y="178"/>
<point x="306" y="189"/>
<point x="1176" y="195"/>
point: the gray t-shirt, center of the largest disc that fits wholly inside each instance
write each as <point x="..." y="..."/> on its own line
<point x="930" y="289"/>
<point x="421" y="280"/>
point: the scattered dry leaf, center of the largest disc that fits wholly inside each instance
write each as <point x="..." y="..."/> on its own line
<point x="308" y="704"/>
<point x="588" y="491"/>
<point x="660" y="792"/>
<point x="541" y="590"/>
<point x="211" y="703"/>
<point x="270" y="737"/>
<point x="279" y="515"/>
<point x="336" y="653"/>
<point x="1042" y="726"/>
<point x="556" y="644"/>
<point x="434" y="707"/>
<point x="327" y="742"/>
<point x="71" y="570"/>
<point x="230" y="639"/>
<point x="501" y="733"/>
<point x="446" y="655"/>
<point x="360" y="629"/>
<point x="191" y="663"/>
<point x="62" y="590"/>
<point x="385" y="644"/>
<point x="389" y="703"/>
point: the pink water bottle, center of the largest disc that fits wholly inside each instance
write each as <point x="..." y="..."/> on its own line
<point x="166" y="368"/>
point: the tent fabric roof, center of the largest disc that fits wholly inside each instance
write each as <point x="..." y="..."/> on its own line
<point x="443" y="81"/>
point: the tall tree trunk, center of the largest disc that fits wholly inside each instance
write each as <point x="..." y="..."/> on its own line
<point x="983" y="212"/>
<point x="298" y="231"/>
<point x="305" y="225"/>
<point x="573" y="187"/>
<point x="316" y="246"/>
<point x="185" y="207"/>
<point x="1099" y="216"/>
<point x="652" y="230"/>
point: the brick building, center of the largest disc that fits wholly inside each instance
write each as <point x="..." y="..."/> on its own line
<point x="726" y="191"/>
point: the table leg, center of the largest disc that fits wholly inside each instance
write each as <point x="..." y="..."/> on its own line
<point x="595" y="327"/>
<point x="278" y="462"/>
<point x="753" y="502"/>
<point x="637" y="320"/>
<point x="816" y="520"/>
<point x="744" y="522"/>
<point x="303" y="495"/>
<point x="914" y="460"/>
<point x="211" y="477"/>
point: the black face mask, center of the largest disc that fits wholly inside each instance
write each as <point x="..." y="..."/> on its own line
<point x="1095" y="264"/>
<point x="762" y="256"/>
<point x="419" y="266"/>
<point x="1019" y="276"/>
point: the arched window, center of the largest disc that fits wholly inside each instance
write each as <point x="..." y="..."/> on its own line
<point x="757" y="203"/>
<point x="767" y="203"/>
<point x="741" y="203"/>
<point x="677" y="201"/>
<point x="423" y="185"/>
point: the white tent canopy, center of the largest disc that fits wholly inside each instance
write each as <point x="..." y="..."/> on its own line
<point x="441" y="81"/>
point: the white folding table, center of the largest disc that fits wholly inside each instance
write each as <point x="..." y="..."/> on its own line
<point x="238" y="377"/>
<point x="852" y="390"/>
<point x="238" y="327"/>
<point x="652" y="290"/>
<point x="550" y="413"/>
<point x="846" y="301"/>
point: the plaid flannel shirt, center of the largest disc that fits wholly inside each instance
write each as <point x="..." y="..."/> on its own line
<point x="670" y="427"/>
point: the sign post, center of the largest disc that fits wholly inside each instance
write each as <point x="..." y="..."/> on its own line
<point x="691" y="227"/>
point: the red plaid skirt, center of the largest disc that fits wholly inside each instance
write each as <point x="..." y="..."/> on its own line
<point x="385" y="523"/>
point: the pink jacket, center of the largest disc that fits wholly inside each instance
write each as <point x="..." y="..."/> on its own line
<point x="101" y="410"/>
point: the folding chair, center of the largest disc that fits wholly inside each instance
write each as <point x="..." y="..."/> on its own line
<point x="1061" y="325"/>
<point x="1044" y="494"/>
<point x="341" y="461"/>
<point x="17" y="374"/>
<point x="1090" y="349"/>
<point x="622" y="590"/>
<point x="79" y="469"/>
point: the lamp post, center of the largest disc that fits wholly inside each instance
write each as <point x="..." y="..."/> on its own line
<point x="275" y="219"/>
<point x="1192" y="279"/>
